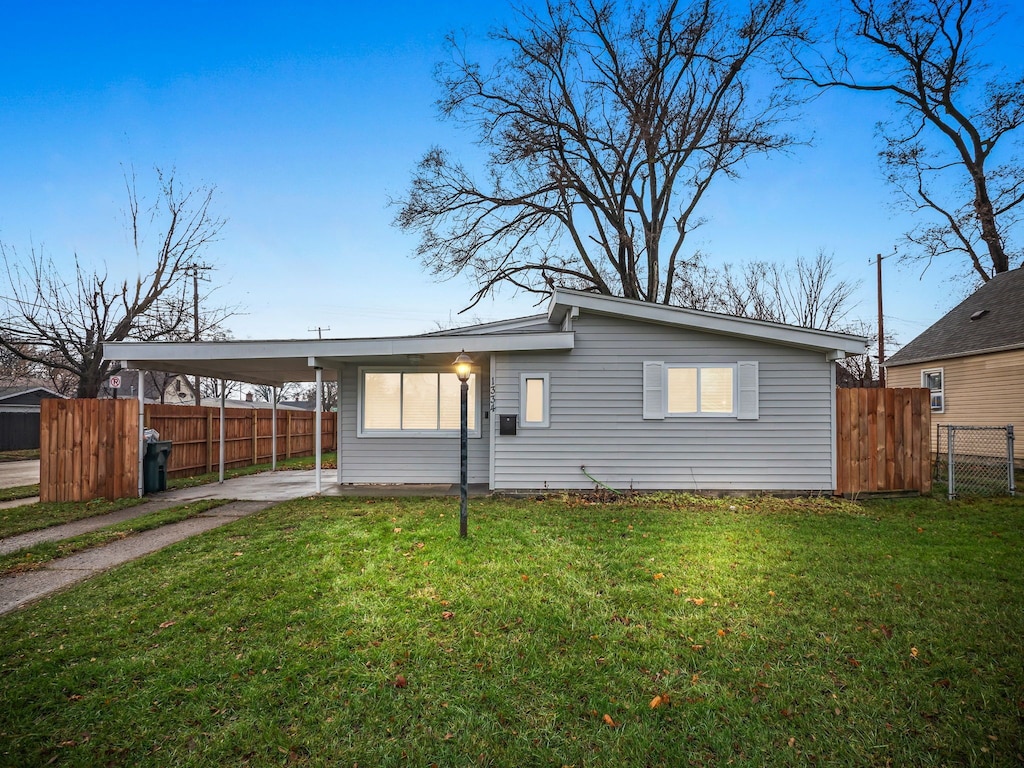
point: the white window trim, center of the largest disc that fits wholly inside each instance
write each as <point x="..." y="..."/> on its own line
<point x="474" y="405"/>
<point x="700" y="414"/>
<point x="546" y="421"/>
<point x="931" y="392"/>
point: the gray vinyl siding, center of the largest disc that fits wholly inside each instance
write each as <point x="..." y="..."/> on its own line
<point x="404" y="459"/>
<point x="596" y="416"/>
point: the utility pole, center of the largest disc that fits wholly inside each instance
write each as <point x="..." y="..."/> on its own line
<point x="881" y="326"/>
<point x="319" y="331"/>
<point x="193" y="270"/>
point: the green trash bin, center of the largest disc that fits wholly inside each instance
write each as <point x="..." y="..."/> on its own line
<point x="154" y="466"/>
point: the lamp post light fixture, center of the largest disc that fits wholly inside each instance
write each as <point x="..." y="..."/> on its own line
<point x="463" y="364"/>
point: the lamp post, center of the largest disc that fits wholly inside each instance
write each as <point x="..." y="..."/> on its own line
<point x="463" y="364"/>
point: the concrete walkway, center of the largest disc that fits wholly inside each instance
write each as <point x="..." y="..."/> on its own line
<point x="252" y="493"/>
<point x="14" y="474"/>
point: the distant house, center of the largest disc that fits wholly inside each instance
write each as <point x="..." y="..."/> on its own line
<point x="25" y="398"/>
<point x="19" y="416"/>
<point x="596" y="389"/>
<point x="972" y="359"/>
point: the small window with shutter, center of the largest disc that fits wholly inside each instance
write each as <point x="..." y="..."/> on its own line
<point x="712" y="389"/>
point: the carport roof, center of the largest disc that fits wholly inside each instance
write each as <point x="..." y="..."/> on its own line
<point x="280" y="361"/>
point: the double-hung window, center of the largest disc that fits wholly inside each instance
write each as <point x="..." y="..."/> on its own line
<point x="933" y="379"/>
<point x="413" y="403"/>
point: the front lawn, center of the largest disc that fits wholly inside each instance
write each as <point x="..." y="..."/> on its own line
<point x="665" y="631"/>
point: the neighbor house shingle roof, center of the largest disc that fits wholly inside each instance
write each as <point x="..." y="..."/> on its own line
<point x="989" y="320"/>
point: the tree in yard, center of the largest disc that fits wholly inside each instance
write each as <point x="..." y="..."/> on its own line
<point x="604" y="127"/>
<point x="61" y="322"/>
<point x="949" y="149"/>
<point x="807" y="294"/>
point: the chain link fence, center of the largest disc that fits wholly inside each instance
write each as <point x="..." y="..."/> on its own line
<point x="975" y="461"/>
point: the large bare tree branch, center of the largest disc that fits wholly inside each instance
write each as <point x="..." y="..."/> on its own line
<point x="604" y="124"/>
<point x="950" y="148"/>
<point x="62" y="324"/>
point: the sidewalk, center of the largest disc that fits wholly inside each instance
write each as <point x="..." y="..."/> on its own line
<point x="247" y="495"/>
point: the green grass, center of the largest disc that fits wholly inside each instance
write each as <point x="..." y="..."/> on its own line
<point x="30" y="517"/>
<point x="30" y="453"/>
<point x="301" y="462"/>
<point x="37" y="555"/>
<point x="19" y="492"/>
<point x="358" y="632"/>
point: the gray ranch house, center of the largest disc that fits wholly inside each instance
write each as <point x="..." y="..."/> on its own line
<point x="630" y="394"/>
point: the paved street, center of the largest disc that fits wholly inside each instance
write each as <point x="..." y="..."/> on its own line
<point x="15" y="473"/>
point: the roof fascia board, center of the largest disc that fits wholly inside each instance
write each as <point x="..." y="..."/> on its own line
<point x="340" y="348"/>
<point x="562" y="302"/>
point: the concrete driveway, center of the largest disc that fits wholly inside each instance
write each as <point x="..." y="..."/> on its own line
<point x="16" y="473"/>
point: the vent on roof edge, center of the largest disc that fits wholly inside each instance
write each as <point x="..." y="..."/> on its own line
<point x="979" y="314"/>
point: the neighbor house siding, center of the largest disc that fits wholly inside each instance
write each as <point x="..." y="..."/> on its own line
<point x="981" y="390"/>
<point x="404" y="459"/>
<point x="596" y="416"/>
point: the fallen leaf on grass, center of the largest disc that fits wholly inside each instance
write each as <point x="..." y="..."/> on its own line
<point x="659" y="576"/>
<point x="401" y="682"/>
<point x="609" y="722"/>
<point x="656" y="702"/>
<point x="167" y="624"/>
<point x="695" y="600"/>
<point x="448" y="615"/>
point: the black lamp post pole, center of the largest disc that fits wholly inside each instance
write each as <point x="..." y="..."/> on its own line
<point x="463" y="470"/>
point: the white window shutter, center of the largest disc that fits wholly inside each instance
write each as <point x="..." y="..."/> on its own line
<point x="748" y="390"/>
<point x="654" y="390"/>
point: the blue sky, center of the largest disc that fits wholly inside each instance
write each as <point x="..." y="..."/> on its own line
<point x="308" y="116"/>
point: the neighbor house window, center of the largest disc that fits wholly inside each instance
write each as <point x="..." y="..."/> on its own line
<point x="533" y="400"/>
<point x="700" y="390"/>
<point x="413" y="403"/>
<point x="933" y="379"/>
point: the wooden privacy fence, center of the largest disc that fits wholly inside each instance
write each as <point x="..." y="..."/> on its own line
<point x="248" y="436"/>
<point x="883" y="440"/>
<point x="89" y="448"/>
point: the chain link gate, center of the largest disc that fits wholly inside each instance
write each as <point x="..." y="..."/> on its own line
<point x="974" y="460"/>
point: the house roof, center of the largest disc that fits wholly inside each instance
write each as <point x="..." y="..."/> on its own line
<point x="12" y="393"/>
<point x="564" y="302"/>
<point x="989" y="320"/>
<point x="277" y="362"/>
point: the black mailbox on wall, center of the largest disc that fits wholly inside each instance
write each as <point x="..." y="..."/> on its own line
<point x="507" y="424"/>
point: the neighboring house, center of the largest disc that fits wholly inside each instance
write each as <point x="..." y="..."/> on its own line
<point x="972" y="359"/>
<point x="25" y="399"/>
<point x="630" y="394"/>
<point x="19" y="416"/>
<point x="161" y="387"/>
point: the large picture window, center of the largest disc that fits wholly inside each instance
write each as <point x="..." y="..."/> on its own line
<point x="413" y="403"/>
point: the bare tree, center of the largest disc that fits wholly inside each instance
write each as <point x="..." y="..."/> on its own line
<point x="808" y="294"/>
<point x="949" y="149"/>
<point x="604" y="126"/>
<point x="61" y="323"/>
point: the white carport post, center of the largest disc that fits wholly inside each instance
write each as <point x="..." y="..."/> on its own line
<point x="273" y="429"/>
<point x="222" y="431"/>
<point x="319" y="423"/>
<point x="142" y="430"/>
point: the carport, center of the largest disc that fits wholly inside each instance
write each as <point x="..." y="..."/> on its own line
<point x="277" y="362"/>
